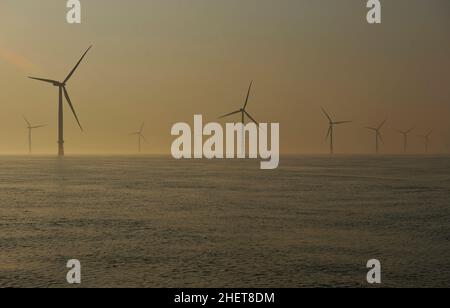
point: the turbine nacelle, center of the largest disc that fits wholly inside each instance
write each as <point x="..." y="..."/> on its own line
<point x="405" y="132"/>
<point x="427" y="136"/>
<point x="52" y="82"/>
<point x="59" y="84"/>
<point x="243" y="109"/>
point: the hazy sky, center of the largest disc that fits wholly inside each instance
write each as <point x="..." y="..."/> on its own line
<point x="162" y="61"/>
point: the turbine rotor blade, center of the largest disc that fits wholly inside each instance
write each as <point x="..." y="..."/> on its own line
<point x="230" y="114"/>
<point x="39" y="126"/>
<point x="251" y="118"/>
<point x="76" y="66"/>
<point x="143" y="137"/>
<point x="327" y="115"/>
<point x="44" y="80"/>
<point x="328" y="134"/>
<point x="380" y="136"/>
<point x="142" y="127"/>
<point x="248" y="94"/>
<point x="342" y="122"/>
<point x="71" y="107"/>
<point x="382" y="124"/>
<point x="29" y="125"/>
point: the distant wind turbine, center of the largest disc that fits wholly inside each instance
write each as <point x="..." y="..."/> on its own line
<point x="330" y="133"/>
<point x="405" y="138"/>
<point x="378" y="136"/>
<point x="30" y="129"/>
<point x="63" y="90"/>
<point x="140" y="136"/>
<point x="243" y="110"/>
<point x="426" y="139"/>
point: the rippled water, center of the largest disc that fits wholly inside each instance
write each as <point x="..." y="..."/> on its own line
<point x="156" y="222"/>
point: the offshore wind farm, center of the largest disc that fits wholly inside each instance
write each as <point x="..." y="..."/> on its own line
<point x="363" y="138"/>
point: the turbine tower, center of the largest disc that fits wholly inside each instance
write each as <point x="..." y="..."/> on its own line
<point x="426" y="139"/>
<point x="30" y="129"/>
<point x="330" y="133"/>
<point x="61" y="85"/>
<point x="405" y="134"/>
<point x="378" y="136"/>
<point x="140" y="136"/>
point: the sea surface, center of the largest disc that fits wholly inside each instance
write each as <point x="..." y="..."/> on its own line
<point x="157" y="222"/>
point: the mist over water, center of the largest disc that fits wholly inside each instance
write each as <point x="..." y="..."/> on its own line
<point x="157" y="222"/>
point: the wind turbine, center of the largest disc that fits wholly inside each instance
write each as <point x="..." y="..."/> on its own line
<point x="140" y="136"/>
<point x="30" y="129"/>
<point x="378" y="136"/>
<point x="426" y="139"/>
<point x="63" y="90"/>
<point x="243" y="110"/>
<point x="330" y="133"/>
<point x="405" y="138"/>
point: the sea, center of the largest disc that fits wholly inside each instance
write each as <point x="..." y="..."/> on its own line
<point x="150" y="221"/>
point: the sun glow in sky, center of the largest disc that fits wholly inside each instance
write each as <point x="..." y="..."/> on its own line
<point x="162" y="61"/>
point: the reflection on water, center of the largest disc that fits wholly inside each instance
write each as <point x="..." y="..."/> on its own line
<point x="156" y="222"/>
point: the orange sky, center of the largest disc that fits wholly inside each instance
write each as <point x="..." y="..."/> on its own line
<point x="162" y="61"/>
